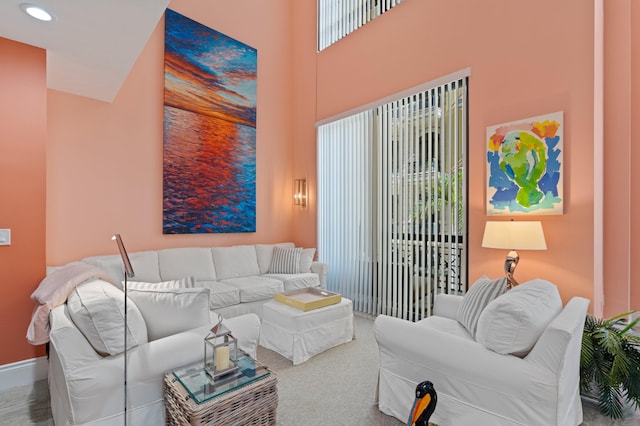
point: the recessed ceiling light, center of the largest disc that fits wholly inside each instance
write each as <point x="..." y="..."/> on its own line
<point x="36" y="11"/>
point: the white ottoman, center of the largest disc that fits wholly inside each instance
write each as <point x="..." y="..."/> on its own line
<point x="298" y="335"/>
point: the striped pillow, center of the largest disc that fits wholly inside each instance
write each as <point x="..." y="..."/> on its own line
<point x="481" y="293"/>
<point x="285" y="260"/>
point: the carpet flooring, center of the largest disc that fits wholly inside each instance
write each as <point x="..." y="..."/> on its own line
<point x="337" y="387"/>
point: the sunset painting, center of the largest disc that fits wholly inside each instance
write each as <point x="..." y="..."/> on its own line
<point x="524" y="170"/>
<point x="209" y="165"/>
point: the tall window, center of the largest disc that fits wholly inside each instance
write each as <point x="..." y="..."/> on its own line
<point x="337" y="18"/>
<point x="392" y="185"/>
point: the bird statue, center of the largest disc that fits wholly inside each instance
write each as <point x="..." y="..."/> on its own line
<point x="424" y="404"/>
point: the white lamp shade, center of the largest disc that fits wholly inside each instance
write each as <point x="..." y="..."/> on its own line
<point x="512" y="235"/>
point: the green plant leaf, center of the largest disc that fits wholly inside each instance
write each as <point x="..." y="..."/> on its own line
<point x="610" y="359"/>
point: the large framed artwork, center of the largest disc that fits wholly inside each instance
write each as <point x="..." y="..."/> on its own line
<point x="209" y="164"/>
<point x="525" y="166"/>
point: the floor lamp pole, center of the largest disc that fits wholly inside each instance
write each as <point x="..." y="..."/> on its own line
<point x="125" y="348"/>
<point x="128" y="273"/>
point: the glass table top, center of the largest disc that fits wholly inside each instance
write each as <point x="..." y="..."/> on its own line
<point x="202" y="387"/>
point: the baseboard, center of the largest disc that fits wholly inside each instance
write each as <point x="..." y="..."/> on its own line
<point x="23" y="373"/>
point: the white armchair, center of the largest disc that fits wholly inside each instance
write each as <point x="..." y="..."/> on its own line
<point x="475" y="385"/>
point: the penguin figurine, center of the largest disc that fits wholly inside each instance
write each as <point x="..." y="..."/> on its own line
<point x="424" y="404"/>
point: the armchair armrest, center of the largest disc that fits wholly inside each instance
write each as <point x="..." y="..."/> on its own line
<point x="446" y="305"/>
<point x="561" y="337"/>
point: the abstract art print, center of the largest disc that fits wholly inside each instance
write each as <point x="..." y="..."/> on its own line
<point x="209" y="164"/>
<point x="524" y="170"/>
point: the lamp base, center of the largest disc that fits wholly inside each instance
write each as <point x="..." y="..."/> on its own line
<point x="510" y="264"/>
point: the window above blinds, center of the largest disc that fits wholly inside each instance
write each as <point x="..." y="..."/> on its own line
<point x="337" y="18"/>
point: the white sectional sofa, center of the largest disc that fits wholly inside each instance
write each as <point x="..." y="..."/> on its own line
<point x="240" y="278"/>
<point x="174" y="298"/>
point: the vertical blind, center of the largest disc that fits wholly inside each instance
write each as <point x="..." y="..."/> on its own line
<point x="392" y="202"/>
<point x="337" y="18"/>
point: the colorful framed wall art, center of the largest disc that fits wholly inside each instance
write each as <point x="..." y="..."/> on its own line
<point x="209" y="164"/>
<point x="525" y="166"/>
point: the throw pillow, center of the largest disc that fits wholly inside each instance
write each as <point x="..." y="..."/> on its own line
<point x="188" y="282"/>
<point x="97" y="309"/>
<point x="285" y="260"/>
<point x="306" y="259"/>
<point x="481" y="293"/>
<point x="265" y="254"/>
<point x="513" y="323"/>
<point x="171" y="311"/>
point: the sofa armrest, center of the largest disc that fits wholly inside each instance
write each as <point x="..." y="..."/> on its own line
<point x="321" y="269"/>
<point x="446" y="305"/>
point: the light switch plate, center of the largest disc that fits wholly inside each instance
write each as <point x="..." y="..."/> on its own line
<point x="5" y="237"/>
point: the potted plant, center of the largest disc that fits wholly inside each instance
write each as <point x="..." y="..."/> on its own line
<point x="610" y="363"/>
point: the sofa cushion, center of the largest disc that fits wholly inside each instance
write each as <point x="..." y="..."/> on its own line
<point x="97" y="308"/>
<point x="171" y="311"/>
<point x="236" y="261"/>
<point x="296" y="281"/>
<point x="445" y="325"/>
<point x="265" y="253"/>
<point x="176" y="263"/>
<point x="111" y="264"/>
<point x="285" y="260"/>
<point x="481" y="293"/>
<point x="256" y="288"/>
<point x="145" y="266"/>
<point x="512" y="323"/>
<point x="221" y="294"/>
<point x="187" y="282"/>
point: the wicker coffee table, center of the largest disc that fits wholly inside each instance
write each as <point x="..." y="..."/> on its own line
<point x="250" y="400"/>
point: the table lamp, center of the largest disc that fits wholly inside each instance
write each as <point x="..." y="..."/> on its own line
<point x="512" y="235"/>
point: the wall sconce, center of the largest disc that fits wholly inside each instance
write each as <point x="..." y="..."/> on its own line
<point x="300" y="192"/>
<point x="513" y="236"/>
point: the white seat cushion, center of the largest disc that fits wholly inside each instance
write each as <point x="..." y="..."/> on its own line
<point x="256" y="288"/>
<point x="221" y="294"/>
<point x="296" y="281"/>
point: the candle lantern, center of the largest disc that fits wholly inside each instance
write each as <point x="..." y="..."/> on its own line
<point x="220" y="351"/>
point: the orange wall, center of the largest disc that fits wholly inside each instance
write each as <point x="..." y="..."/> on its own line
<point x="634" y="157"/>
<point x="23" y="129"/>
<point x="621" y="105"/>
<point x="526" y="59"/>
<point x="105" y="160"/>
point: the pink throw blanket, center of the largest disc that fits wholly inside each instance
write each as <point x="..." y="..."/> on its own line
<point x="53" y="291"/>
